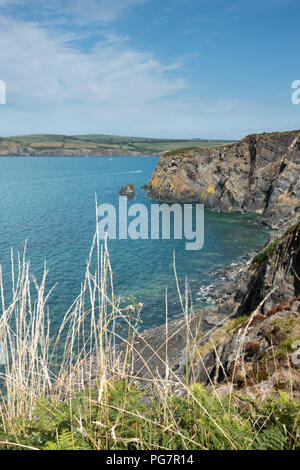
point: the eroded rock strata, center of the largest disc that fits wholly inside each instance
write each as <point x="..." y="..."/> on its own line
<point x="259" y="174"/>
<point x="253" y="350"/>
<point x="259" y="350"/>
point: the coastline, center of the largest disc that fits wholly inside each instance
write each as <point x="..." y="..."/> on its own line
<point x="245" y="348"/>
<point x="80" y="155"/>
<point x="227" y="301"/>
<point x="231" y="300"/>
<point x="259" y="176"/>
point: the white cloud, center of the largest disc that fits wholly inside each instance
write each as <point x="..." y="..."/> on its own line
<point x="54" y="84"/>
<point x="55" y="87"/>
<point x="43" y="69"/>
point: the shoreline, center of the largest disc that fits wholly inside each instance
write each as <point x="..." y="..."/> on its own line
<point x="191" y="339"/>
<point x="79" y="156"/>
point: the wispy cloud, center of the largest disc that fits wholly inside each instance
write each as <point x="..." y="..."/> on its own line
<point x="43" y="69"/>
<point x="54" y="86"/>
<point x="73" y="66"/>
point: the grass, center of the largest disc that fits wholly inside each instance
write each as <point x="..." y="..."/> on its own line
<point x="268" y="252"/>
<point x="193" y="147"/>
<point x="124" y="423"/>
<point x="180" y="151"/>
<point x="238" y="322"/>
<point x="71" y="390"/>
<point x="272" y="133"/>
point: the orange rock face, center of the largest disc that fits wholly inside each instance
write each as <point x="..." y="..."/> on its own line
<point x="259" y="174"/>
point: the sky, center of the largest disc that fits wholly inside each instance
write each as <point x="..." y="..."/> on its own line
<point x="150" y="68"/>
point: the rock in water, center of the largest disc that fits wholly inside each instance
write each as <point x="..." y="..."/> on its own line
<point x="127" y="190"/>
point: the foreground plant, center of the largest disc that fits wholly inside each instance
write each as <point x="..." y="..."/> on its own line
<point x="71" y="389"/>
<point x="123" y="422"/>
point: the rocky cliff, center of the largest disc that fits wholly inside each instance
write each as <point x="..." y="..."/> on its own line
<point x="273" y="273"/>
<point x="255" y="348"/>
<point x="260" y="352"/>
<point x="259" y="174"/>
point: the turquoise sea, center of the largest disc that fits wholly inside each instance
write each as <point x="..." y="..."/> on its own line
<point x="50" y="201"/>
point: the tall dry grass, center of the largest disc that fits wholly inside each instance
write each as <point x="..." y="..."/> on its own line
<point x="83" y="356"/>
<point x="83" y="352"/>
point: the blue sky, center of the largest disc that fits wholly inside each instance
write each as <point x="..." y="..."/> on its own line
<point x="171" y="68"/>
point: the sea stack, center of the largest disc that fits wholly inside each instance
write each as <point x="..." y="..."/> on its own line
<point x="127" y="190"/>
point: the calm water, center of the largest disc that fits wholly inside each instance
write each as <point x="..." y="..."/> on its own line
<point x="50" y="202"/>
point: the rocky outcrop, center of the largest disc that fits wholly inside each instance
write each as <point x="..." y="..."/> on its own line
<point x="260" y="174"/>
<point x="127" y="190"/>
<point x="259" y="353"/>
<point x="259" y="356"/>
<point x="273" y="274"/>
<point x="254" y="346"/>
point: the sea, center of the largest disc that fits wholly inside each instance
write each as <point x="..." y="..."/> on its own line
<point x="49" y="203"/>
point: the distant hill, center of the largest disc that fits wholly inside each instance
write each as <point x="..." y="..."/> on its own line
<point x="95" y="144"/>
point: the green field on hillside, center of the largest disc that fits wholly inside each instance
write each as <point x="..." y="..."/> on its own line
<point x="98" y="141"/>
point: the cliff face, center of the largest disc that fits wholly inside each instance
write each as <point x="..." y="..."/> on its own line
<point x="259" y="174"/>
<point x="254" y="349"/>
<point x="275" y="272"/>
<point x="259" y="351"/>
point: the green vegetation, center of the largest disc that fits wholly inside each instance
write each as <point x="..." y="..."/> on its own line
<point x="272" y="133"/>
<point x="123" y="422"/>
<point x="286" y="346"/>
<point x="71" y="391"/>
<point x="268" y="252"/>
<point x="187" y="149"/>
<point x="238" y="322"/>
<point x="286" y="324"/>
<point x="98" y="142"/>
<point x="180" y="151"/>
